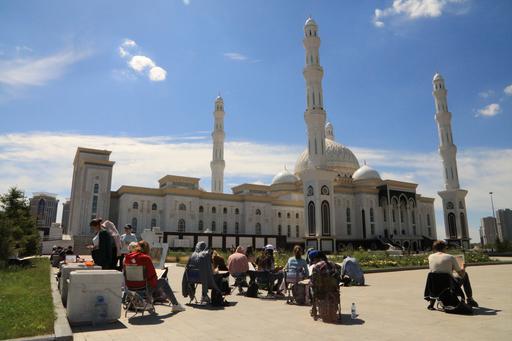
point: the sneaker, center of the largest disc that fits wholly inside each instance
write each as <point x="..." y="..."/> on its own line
<point x="205" y="300"/>
<point x="177" y="308"/>
<point x="470" y="301"/>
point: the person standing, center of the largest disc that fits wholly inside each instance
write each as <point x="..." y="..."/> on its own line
<point x="116" y="245"/>
<point x="102" y="243"/>
<point x="126" y="238"/>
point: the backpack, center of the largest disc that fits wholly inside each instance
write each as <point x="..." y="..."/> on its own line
<point x="453" y="305"/>
<point x="217" y="299"/>
<point x="252" y="290"/>
<point x="299" y="293"/>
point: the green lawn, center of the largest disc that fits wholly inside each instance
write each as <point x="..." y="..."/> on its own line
<point x="26" y="307"/>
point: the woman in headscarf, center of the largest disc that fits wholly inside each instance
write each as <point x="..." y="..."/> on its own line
<point x="199" y="267"/>
<point x="101" y="245"/>
<point x="116" y="246"/>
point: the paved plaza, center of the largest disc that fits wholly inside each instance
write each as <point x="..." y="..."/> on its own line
<point x="390" y="307"/>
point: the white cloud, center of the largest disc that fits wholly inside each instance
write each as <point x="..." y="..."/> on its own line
<point x="43" y="162"/>
<point x="413" y="9"/>
<point x="38" y="71"/>
<point x="490" y="110"/>
<point x="508" y="90"/>
<point x="235" y="56"/>
<point x="157" y="74"/>
<point x="139" y="63"/>
<point x="186" y="2"/>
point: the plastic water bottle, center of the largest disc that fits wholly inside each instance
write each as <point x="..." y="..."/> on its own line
<point x="100" y="309"/>
<point x="353" y="313"/>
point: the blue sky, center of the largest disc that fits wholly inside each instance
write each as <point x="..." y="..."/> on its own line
<point x="63" y="78"/>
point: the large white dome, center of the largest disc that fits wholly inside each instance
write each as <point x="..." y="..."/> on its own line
<point x="366" y="173"/>
<point x="284" y="177"/>
<point x="339" y="159"/>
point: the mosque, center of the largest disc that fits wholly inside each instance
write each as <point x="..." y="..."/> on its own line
<point x="329" y="202"/>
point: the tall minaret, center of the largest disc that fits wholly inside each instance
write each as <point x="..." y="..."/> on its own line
<point x="454" y="203"/>
<point x="217" y="164"/>
<point x="315" y="114"/>
<point x="317" y="179"/>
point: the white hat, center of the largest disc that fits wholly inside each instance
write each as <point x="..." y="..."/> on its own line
<point x="269" y="247"/>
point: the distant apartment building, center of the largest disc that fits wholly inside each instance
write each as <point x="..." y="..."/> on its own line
<point x="504" y="222"/>
<point x="488" y="230"/>
<point x="43" y="207"/>
<point x="65" y="216"/>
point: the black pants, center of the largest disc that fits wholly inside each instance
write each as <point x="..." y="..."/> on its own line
<point x="463" y="282"/>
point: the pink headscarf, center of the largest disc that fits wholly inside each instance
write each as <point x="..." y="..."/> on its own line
<point x="111" y="228"/>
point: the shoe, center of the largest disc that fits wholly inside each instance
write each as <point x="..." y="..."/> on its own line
<point x="279" y="294"/>
<point x="177" y="308"/>
<point x="470" y="301"/>
<point x="205" y="300"/>
<point x="431" y="307"/>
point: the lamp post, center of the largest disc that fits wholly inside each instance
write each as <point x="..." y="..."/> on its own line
<point x="494" y="216"/>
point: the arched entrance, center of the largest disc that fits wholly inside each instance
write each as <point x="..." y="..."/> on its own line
<point x="452" y="227"/>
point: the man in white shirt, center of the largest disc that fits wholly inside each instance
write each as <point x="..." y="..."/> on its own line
<point x="441" y="262"/>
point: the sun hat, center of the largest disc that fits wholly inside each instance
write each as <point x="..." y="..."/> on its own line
<point x="269" y="247"/>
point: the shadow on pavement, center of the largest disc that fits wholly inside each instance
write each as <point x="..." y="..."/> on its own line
<point x="485" y="311"/>
<point x="149" y="319"/>
<point x="98" y="327"/>
<point x="210" y="307"/>
<point x="347" y="320"/>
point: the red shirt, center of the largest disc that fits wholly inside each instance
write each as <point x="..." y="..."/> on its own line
<point x="139" y="258"/>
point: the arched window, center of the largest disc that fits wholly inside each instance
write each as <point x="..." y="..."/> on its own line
<point x="201" y="209"/>
<point x="311" y="218"/>
<point x="225" y="228"/>
<point x="326" y="219"/>
<point x="296" y="231"/>
<point x="258" y="228"/>
<point x="225" y="210"/>
<point x="237" y="211"/>
<point x="258" y="211"/>
<point x="289" y="231"/>
<point x="372" y="217"/>
<point x="237" y="228"/>
<point x="153" y="222"/>
<point x="134" y="224"/>
<point x="154" y="207"/>
<point x="452" y="228"/>
<point x="200" y="226"/>
<point x="181" y="225"/>
<point x="463" y="225"/>
<point x="135" y="205"/>
<point x="402" y="214"/>
<point x="279" y="230"/>
<point x="279" y="214"/>
<point x="214" y="210"/>
<point x="94" y="204"/>
<point x="288" y="215"/>
<point x="296" y="215"/>
<point x="96" y="188"/>
<point x="182" y="207"/>
<point x="348" y="214"/>
<point x="214" y="226"/>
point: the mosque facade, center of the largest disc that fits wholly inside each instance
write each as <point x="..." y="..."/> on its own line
<point x="329" y="201"/>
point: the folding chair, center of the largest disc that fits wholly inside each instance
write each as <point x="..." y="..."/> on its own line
<point x="291" y="278"/>
<point x="240" y="281"/>
<point x="193" y="279"/>
<point x="137" y="298"/>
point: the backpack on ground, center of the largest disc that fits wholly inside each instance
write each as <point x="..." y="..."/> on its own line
<point x="452" y="304"/>
<point x="217" y="299"/>
<point x="252" y="290"/>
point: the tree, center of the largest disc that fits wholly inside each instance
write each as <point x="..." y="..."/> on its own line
<point x="18" y="231"/>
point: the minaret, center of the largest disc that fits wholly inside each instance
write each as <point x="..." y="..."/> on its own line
<point x="329" y="131"/>
<point x="217" y="164"/>
<point x="454" y="203"/>
<point x="315" y="114"/>
<point x="317" y="179"/>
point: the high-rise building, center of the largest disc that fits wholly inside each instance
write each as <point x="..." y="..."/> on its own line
<point x="454" y="205"/>
<point x="43" y="207"/>
<point x="504" y="222"/>
<point x="65" y="216"/>
<point x="488" y="230"/>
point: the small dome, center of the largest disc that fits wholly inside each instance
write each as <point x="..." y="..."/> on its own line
<point x="366" y="173"/>
<point x="219" y="98"/>
<point x="339" y="159"/>
<point x="284" y="177"/>
<point x="437" y="76"/>
<point x="310" y="22"/>
<point x="329" y="131"/>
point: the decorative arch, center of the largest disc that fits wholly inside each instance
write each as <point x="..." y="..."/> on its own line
<point x="311" y="218"/>
<point x="201" y="209"/>
<point x="450" y="206"/>
<point x="237" y="211"/>
<point x="258" y="211"/>
<point x="326" y="218"/>
<point x="154" y="207"/>
<point x="258" y="228"/>
<point x="135" y="205"/>
<point x="181" y="225"/>
<point x="324" y="190"/>
<point x="182" y="207"/>
<point x="452" y="226"/>
<point x="214" y="210"/>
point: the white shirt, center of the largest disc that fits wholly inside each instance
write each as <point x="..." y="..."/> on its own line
<point x="443" y="263"/>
